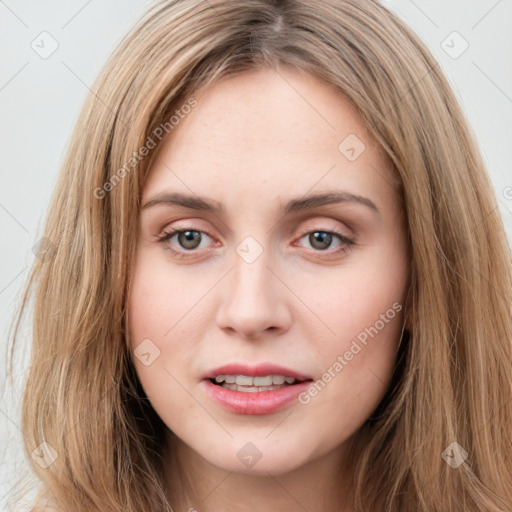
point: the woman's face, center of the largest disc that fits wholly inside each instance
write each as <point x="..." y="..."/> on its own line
<point x="292" y="262"/>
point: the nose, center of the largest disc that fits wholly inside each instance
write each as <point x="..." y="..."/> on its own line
<point x="254" y="300"/>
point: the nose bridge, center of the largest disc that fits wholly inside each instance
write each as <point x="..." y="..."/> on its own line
<point x="251" y="273"/>
<point x="253" y="301"/>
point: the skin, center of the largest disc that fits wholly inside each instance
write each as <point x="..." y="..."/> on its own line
<point x="252" y="143"/>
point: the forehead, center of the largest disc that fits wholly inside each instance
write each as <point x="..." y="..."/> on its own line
<point x="269" y="132"/>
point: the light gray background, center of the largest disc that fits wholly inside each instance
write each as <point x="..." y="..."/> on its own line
<point x="40" y="99"/>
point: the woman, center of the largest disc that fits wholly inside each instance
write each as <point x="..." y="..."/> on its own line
<point x="286" y="285"/>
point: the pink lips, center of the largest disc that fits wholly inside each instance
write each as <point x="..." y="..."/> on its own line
<point x="259" y="370"/>
<point x="263" y="402"/>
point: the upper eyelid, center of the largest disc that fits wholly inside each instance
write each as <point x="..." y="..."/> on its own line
<point x="315" y="219"/>
<point x="302" y="232"/>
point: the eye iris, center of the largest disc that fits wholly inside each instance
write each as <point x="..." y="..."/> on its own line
<point x="321" y="236"/>
<point x="186" y="239"/>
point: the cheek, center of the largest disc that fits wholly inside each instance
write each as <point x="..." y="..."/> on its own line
<point x="163" y="303"/>
<point x="166" y="318"/>
<point x="361" y="310"/>
<point x="156" y="317"/>
<point x="370" y="288"/>
<point x="360" y="344"/>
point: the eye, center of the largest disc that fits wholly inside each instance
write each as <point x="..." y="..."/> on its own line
<point x="321" y="240"/>
<point x="188" y="239"/>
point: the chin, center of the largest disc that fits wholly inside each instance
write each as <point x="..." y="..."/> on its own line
<point x="256" y="458"/>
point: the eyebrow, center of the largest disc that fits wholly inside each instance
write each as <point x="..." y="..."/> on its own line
<point x="293" y="206"/>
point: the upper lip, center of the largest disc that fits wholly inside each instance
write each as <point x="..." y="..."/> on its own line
<point x="259" y="370"/>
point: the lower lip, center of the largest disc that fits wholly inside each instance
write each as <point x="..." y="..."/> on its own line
<point x="263" y="402"/>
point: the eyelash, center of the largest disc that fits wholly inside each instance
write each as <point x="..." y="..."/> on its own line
<point x="346" y="246"/>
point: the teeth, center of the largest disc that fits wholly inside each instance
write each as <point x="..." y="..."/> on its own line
<point x="251" y="389"/>
<point x="245" y="380"/>
<point x="263" y="381"/>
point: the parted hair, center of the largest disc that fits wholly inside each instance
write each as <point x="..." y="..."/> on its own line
<point x="453" y="377"/>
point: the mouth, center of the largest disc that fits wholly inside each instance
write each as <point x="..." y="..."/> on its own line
<point x="254" y="384"/>
<point x="262" y="389"/>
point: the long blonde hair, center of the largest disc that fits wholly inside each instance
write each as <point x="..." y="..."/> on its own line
<point x="453" y="380"/>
